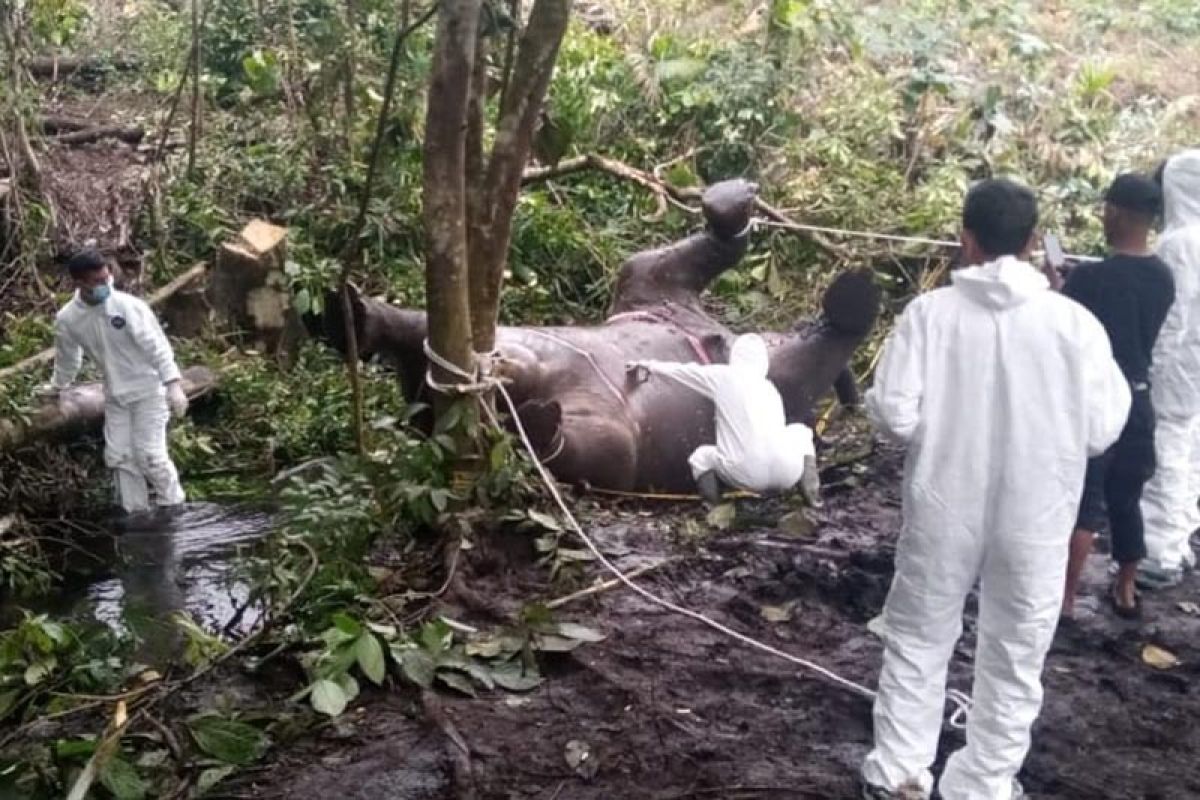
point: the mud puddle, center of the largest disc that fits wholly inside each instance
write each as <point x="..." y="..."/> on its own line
<point x="150" y="568"/>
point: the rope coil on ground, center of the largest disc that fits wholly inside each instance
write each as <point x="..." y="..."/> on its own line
<point x="961" y="701"/>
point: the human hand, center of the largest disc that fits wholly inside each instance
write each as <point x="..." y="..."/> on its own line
<point x="177" y="399"/>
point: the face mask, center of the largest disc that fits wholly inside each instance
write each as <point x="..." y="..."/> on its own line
<point x="96" y="295"/>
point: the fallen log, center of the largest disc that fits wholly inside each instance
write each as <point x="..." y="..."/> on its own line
<point x="54" y="125"/>
<point x="125" y="133"/>
<point x="61" y="67"/>
<point x="47" y="355"/>
<point x="81" y="408"/>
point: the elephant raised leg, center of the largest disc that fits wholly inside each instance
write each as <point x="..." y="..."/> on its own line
<point x="679" y="272"/>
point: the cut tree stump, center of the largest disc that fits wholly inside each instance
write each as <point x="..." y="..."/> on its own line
<point x="81" y="409"/>
<point x="249" y="289"/>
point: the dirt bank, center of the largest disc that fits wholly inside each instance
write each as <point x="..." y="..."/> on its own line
<point x="667" y="709"/>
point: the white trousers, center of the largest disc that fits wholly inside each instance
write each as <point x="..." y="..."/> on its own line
<point x="1169" y="501"/>
<point x="937" y="562"/>
<point x="135" y="448"/>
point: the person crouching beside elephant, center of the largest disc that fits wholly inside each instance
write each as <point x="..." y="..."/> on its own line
<point x="755" y="450"/>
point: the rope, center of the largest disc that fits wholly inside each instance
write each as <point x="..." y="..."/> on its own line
<point x="962" y="701"/>
<point x="887" y="237"/>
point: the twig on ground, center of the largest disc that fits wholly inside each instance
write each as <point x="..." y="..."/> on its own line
<point x="606" y="585"/>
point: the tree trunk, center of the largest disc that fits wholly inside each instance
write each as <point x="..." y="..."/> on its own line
<point x="446" y="273"/>
<point x="521" y="104"/>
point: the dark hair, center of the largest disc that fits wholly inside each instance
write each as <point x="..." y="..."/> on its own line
<point x="85" y="261"/>
<point x="1001" y="215"/>
<point x="1135" y="193"/>
<point x="1160" y="172"/>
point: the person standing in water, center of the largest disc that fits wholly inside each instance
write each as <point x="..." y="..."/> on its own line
<point x="142" y="384"/>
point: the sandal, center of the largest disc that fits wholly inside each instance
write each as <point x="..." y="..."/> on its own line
<point x="1133" y="612"/>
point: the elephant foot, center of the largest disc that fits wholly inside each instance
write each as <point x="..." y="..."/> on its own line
<point x="542" y="421"/>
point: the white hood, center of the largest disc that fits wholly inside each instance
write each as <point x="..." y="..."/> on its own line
<point x="1181" y="190"/>
<point x="1004" y="283"/>
<point x="749" y="355"/>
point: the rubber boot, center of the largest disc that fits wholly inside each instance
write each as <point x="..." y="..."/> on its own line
<point x="709" y="486"/>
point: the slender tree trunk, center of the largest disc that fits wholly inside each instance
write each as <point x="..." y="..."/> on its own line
<point x="348" y="76"/>
<point x="445" y="210"/>
<point x="352" y="247"/>
<point x="522" y="102"/>
<point x="194" y="131"/>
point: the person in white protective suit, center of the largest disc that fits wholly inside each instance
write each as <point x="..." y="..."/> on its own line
<point x="756" y="450"/>
<point x="142" y="385"/>
<point x="1169" y="501"/>
<point x="1000" y="388"/>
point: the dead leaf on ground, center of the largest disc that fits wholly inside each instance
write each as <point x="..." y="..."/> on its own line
<point x="1159" y="658"/>
<point x="722" y="516"/>
<point x="1189" y="607"/>
<point x="781" y="613"/>
<point x="579" y="757"/>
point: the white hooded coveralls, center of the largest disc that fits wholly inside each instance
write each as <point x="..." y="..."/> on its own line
<point x="1169" y="501"/>
<point x="123" y="337"/>
<point x="756" y="449"/>
<point x="1001" y="389"/>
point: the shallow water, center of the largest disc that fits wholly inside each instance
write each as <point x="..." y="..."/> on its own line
<point x="184" y="561"/>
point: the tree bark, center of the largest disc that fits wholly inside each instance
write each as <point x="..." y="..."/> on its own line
<point x="194" y="130"/>
<point x="129" y="134"/>
<point x="514" y="137"/>
<point x="446" y="266"/>
<point x="57" y="68"/>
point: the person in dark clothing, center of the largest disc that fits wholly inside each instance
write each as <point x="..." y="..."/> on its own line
<point x="1130" y="293"/>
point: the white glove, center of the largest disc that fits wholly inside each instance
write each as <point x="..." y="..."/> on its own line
<point x="176" y="399"/>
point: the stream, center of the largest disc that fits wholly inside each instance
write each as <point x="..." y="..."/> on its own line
<point x="157" y="565"/>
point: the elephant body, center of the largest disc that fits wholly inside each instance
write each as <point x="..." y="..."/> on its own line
<point x="587" y="421"/>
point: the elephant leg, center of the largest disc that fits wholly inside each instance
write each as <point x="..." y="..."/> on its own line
<point x="579" y="445"/>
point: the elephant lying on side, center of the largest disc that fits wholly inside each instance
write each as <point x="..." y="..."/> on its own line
<point x="587" y="423"/>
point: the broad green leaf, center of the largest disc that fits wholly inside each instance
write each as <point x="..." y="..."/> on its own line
<point x="583" y="633"/>
<point x="369" y="654"/>
<point x="211" y="777"/>
<point x="229" y="740"/>
<point x="456" y="680"/>
<point x="552" y="643"/>
<point x="122" y="780"/>
<point x="328" y="698"/>
<point x="514" y="677"/>
<point x="545" y="520"/>
<point x="418" y="667"/>
<point x="38" y="671"/>
<point x="435" y="636"/>
<point x="349" y="686"/>
<point x="347" y="625"/>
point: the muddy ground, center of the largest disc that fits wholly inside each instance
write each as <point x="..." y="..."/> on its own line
<point x="669" y="709"/>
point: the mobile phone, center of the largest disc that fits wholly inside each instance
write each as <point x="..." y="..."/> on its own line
<point x="1054" y="252"/>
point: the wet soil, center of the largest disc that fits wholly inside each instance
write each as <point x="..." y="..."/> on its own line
<point x="667" y="709"/>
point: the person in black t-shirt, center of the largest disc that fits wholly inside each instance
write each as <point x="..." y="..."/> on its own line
<point x="1130" y="293"/>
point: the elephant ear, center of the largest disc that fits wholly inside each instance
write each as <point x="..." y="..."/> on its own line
<point x="851" y="303"/>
